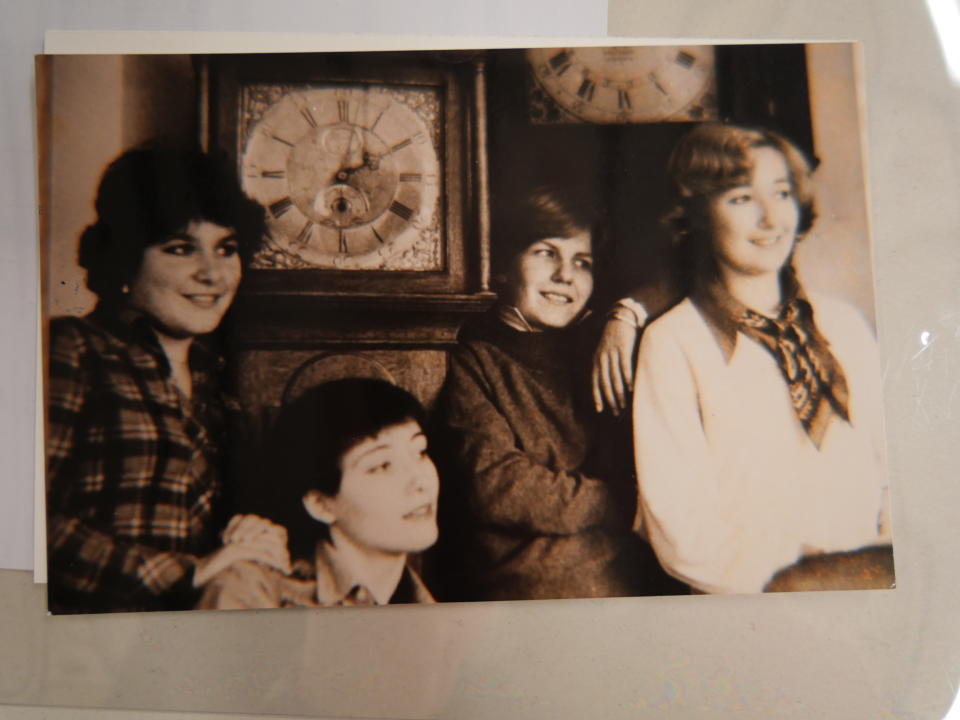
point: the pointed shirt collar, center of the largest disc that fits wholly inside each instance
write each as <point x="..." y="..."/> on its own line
<point x="134" y="326"/>
<point x="341" y="569"/>
<point x="512" y="317"/>
<point x="723" y="312"/>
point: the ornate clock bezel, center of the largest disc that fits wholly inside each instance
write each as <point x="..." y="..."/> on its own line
<point x="462" y="267"/>
<point x="349" y="174"/>
<point x="551" y="70"/>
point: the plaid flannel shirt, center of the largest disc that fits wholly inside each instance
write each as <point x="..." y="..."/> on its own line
<point x="132" y="474"/>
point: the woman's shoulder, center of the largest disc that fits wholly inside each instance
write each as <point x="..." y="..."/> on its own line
<point x="683" y="309"/>
<point x="486" y="338"/>
<point x="483" y="327"/>
<point x="474" y="342"/>
<point x="71" y="335"/>
<point x="680" y="318"/>
<point x="76" y="350"/>
<point x="683" y="334"/>
<point x="87" y="334"/>
<point x="67" y="325"/>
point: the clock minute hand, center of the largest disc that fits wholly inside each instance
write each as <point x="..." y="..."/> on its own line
<point x="370" y="162"/>
<point x="348" y="156"/>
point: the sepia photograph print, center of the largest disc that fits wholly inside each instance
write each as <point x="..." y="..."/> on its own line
<point x="352" y="329"/>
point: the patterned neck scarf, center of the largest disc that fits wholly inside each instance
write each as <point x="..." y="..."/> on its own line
<point x="818" y="387"/>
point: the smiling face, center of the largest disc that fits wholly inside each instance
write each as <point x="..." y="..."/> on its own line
<point x="186" y="284"/>
<point x="388" y="493"/>
<point x="551" y="281"/>
<point x="754" y="225"/>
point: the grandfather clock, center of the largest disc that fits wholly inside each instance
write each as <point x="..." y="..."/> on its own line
<point x="372" y="171"/>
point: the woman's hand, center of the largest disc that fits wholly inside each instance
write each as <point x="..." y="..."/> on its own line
<point x="613" y="365"/>
<point x="251" y="527"/>
<point x="246" y="537"/>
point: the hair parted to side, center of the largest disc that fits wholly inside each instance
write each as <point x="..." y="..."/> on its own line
<point x="547" y="211"/>
<point x="311" y="436"/>
<point x="713" y="158"/>
<point x="150" y="193"/>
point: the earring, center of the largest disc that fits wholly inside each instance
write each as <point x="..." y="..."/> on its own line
<point x="125" y="289"/>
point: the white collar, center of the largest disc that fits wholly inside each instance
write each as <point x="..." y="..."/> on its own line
<point x="513" y="318"/>
<point x="342" y="567"/>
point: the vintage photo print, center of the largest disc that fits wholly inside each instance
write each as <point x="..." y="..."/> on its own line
<point x="348" y="329"/>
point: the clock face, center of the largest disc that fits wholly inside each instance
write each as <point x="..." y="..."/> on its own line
<point x="628" y="84"/>
<point x="349" y="174"/>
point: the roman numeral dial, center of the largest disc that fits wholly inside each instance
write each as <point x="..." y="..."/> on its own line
<point x="626" y="84"/>
<point x="349" y="174"/>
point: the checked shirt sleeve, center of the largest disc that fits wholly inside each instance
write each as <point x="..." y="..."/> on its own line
<point x="86" y="559"/>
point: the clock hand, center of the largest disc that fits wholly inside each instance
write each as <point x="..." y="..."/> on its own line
<point x="353" y="136"/>
<point x="370" y="162"/>
<point x="347" y="159"/>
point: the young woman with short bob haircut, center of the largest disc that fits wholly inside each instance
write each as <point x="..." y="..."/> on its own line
<point x="347" y="472"/>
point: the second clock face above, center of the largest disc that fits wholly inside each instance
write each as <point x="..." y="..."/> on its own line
<point x="629" y="84"/>
<point x="349" y="174"/>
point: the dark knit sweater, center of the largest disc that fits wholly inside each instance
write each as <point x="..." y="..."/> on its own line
<point x="522" y="515"/>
